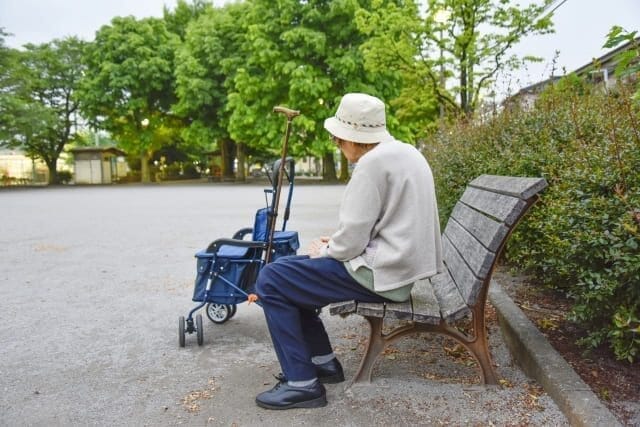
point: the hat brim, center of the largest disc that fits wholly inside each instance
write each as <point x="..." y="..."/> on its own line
<point x="361" y="136"/>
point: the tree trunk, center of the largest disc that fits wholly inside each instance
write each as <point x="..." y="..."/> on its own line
<point x="224" y="165"/>
<point x="328" y="168"/>
<point x="145" y="172"/>
<point x="53" y="171"/>
<point x="240" y="173"/>
<point x="344" y="168"/>
<point x="464" y="102"/>
<point x="471" y="105"/>
<point x="227" y="154"/>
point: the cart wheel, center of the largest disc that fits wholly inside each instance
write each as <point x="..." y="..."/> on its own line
<point x="199" y="330"/>
<point x="218" y="313"/>
<point x="232" y="310"/>
<point x="181" y="331"/>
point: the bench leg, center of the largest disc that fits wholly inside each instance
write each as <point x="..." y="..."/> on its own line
<point x="477" y="344"/>
<point x="479" y="347"/>
<point x="375" y="346"/>
<point x="481" y="353"/>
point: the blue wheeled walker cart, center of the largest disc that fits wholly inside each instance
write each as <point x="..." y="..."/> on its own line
<point x="227" y="269"/>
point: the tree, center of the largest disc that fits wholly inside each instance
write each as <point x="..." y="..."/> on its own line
<point x="128" y="88"/>
<point x="178" y="19"/>
<point x="304" y="55"/>
<point x="206" y="65"/>
<point x="466" y="41"/>
<point x="40" y="105"/>
<point x="7" y="86"/>
<point x="5" y="63"/>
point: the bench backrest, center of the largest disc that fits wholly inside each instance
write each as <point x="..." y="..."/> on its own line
<point x="474" y="237"/>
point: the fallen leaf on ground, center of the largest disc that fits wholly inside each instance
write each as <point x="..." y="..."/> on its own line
<point x="191" y="402"/>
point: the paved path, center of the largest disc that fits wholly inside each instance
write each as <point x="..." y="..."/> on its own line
<point x="93" y="279"/>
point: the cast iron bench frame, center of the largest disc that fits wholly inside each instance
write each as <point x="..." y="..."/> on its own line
<point x="474" y="237"/>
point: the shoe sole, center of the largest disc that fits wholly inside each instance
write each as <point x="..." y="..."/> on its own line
<point x="318" y="402"/>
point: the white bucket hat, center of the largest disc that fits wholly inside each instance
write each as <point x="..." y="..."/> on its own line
<point x="360" y="118"/>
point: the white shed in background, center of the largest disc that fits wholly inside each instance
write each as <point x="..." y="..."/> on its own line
<point x="98" y="165"/>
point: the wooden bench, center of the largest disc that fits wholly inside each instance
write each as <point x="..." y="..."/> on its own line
<point x="473" y="240"/>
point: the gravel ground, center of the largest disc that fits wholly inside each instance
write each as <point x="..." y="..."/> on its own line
<point x="92" y="282"/>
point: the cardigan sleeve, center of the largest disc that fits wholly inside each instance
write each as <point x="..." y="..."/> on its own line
<point x="359" y="212"/>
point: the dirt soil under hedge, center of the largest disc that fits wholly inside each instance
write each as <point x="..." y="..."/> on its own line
<point x="616" y="383"/>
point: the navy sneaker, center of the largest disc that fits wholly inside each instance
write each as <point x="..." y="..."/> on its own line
<point x="284" y="396"/>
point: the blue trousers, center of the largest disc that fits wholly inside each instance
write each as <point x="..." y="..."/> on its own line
<point x="291" y="291"/>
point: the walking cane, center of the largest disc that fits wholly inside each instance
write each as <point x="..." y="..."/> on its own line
<point x="291" y="114"/>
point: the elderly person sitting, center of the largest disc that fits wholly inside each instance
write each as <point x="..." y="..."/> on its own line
<point x="388" y="237"/>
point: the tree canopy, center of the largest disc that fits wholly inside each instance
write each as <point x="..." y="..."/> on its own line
<point x="205" y="79"/>
<point x="128" y="88"/>
<point x="207" y="62"/>
<point x="453" y="47"/>
<point x="304" y="55"/>
<point x="39" y="99"/>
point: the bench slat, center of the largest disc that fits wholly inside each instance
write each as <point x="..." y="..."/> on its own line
<point x="468" y="285"/>
<point x="343" y="307"/>
<point x="477" y="257"/>
<point x="523" y="188"/>
<point x="489" y="232"/>
<point x="425" y="303"/>
<point x="452" y="306"/>
<point x="370" y="309"/>
<point x="399" y="310"/>
<point x="503" y="208"/>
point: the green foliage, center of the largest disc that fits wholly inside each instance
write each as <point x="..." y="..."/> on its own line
<point x="64" y="177"/>
<point x="449" y="42"/>
<point x="583" y="237"/>
<point x="304" y="55"/>
<point x="206" y="64"/>
<point x="625" y="334"/>
<point x="393" y="33"/>
<point x="203" y="77"/>
<point x="38" y="98"/>
<point x="178" y="19"/>
<point x="128" y="88"/>
<point x="628" y="60"/>
<point x="5" y="62"/>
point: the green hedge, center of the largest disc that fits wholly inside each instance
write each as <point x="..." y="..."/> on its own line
<point x="583" y="237"/>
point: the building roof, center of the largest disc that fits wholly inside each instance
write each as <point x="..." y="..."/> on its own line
<point x="607" y="60"/>
<point x="112" y="150"/>
<point x="538" y="87"/>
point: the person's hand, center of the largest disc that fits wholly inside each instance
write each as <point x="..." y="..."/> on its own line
<point x="316" y="245"/>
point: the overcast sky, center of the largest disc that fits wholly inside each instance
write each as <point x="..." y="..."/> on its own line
<point x="581" y="27"/>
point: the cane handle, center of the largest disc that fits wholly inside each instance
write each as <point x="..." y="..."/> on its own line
<point x="287" y="112"/>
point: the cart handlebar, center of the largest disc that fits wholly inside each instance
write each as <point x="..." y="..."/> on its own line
<point x="215" y="246"/>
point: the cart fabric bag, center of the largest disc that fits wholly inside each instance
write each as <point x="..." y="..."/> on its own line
<point x="232" y="272"/>
<point x="237" y="268"/>
<point x="285" y="243"/>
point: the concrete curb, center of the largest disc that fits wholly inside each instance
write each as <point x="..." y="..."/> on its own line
<point x="540" y="361"/>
